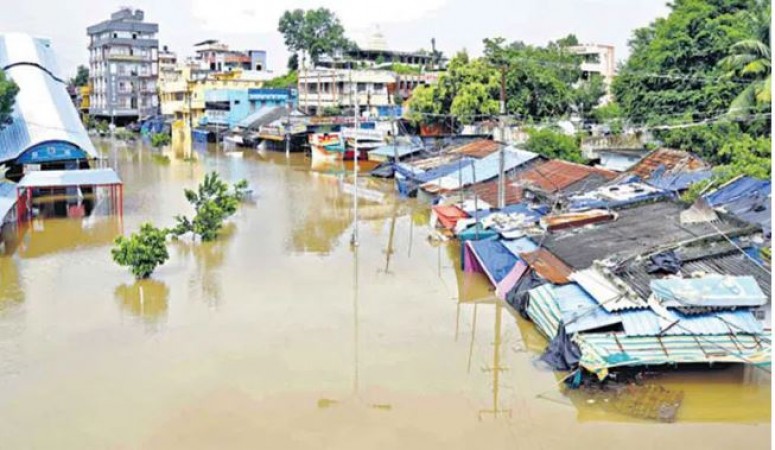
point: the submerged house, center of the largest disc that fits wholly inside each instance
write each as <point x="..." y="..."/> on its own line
<point x="46" y="131"/>
<point x="45" y="147"/>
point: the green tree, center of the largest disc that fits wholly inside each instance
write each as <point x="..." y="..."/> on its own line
<point x="750" y="59"/>
<point x="314" y="32"/>
<point x="160" y="139"/>
<point x="81" y="77"/>
<point x="8" y="91"/>
<point x="588" y="94"/>
<point x="213" y="203"/>
<point x="143" y="251"/>
<point x="289" y="80"/>
<point x="673" y="66"/>
<point x="554" y="145"/>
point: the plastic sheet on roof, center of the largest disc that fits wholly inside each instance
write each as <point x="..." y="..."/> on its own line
<point x="710" y="290"/>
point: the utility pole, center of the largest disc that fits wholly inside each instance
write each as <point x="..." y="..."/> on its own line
<point x="502" y="158"/>
<point x="288" y="126"/>
<point x="354" y="239"/>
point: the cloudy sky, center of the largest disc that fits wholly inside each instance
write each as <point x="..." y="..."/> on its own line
<point x="406" y="24"/>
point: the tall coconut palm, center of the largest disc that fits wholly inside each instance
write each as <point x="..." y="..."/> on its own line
<point x="749" y="59"/>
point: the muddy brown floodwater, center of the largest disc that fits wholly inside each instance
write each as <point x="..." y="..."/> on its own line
<point x="280" y="335"/>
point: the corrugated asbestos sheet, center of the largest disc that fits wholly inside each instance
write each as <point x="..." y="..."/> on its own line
<point x="709" y="290"/>
<point x="43" y="111"/>
<point x="649" y="323"/>
<point x="608" y="291"/>
<point x="545" y="264"/>
<point x="602" y="351"/>
<point x="728" y="261"/>
<point x="637" y="230"/>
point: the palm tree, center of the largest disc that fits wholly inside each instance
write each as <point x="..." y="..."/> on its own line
<point x="750" y="59"/>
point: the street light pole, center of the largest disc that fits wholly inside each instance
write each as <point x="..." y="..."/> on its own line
<point x="502" y="155"/>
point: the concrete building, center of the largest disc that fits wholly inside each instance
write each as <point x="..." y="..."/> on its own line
<point x="328" y="88"/>
<point x="374" y="53"/>
<point x="598" y="59"/>
<point x="227" y="107"/>
<point x="123" y="62"/>
<point x="217" y="57"/>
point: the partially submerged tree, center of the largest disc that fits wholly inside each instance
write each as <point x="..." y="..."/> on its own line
<point x="8" y="91"/>
<point x="160" y="139"/>
<point x="213" y="201"/>
<point x="143" y="251"/>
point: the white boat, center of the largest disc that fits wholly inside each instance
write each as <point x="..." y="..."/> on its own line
<point x="368" y="139"/>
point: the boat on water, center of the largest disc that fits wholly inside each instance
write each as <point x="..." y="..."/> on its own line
<point x="327" y="147"/>
<point x="367" y="139"/>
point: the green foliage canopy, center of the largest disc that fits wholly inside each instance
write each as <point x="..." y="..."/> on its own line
<point x="213" y="203"/>
<point x="554" y="144"/>
<point x="315" y="32"/>
<point x="8" y="91"/>
<point x="143" y="251"/>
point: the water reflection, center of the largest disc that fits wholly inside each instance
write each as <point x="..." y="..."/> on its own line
<point x="207" y="258"/>
<point x="43" y="237"/>
<point x="146" y="299"/>
<point x="11" y="292"/>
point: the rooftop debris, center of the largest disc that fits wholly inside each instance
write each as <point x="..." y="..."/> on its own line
<point x="666" y="161"/>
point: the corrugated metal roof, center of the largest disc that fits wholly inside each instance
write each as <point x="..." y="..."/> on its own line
<point x="679" y="181"/>
<point x="548" y="266"/>
<point x="485" y="169"/>
<point x="489" y="192"/>
<point x="616" y="196"/>
<point x="557" y="175"/>
<point x="579" y="311"/>
<point x="389" y="150"/>
<point x="666" y="160"/>
<point x="43" y="111"/>
<point x="63" y="178"/>
<point x="544" y="311"/>
<point x="608" y="290"/>
<point x="670" y="323"/>
<point x="709" y="290"/>
<point x="746" y="198"/>
<point x="477" y="149"/>
<point x="602" y="351"/>
<point x="726" y="260"/>
<point x="576" y="219"/>
<point x="637" y="230"/>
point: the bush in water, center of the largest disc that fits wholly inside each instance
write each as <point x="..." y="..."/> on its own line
<point x="142" y="251"/>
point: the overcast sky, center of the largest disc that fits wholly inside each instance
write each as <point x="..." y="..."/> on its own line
<point x="406" y="24"/>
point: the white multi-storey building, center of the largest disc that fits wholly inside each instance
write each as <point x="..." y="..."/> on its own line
<point x="124" y="66"/>
<point x="599" y="59"/>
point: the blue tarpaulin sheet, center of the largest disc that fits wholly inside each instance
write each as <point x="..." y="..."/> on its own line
<point x="710" y="290"/>
<point x="748" y="199"/>
<point x="679" y="181"/>
<point x="496" y="259"/>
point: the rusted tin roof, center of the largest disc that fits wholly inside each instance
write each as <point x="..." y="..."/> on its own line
<point x="547" y="265"/>
<point x="489" y="192"/>
<point x="576" y="219"/>
<point x="556" y="175"/>
<point x="670" y="159"/>
<point x="477" y="149"/>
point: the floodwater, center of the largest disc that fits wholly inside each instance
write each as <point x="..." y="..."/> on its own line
<point x="282" y="335"/>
